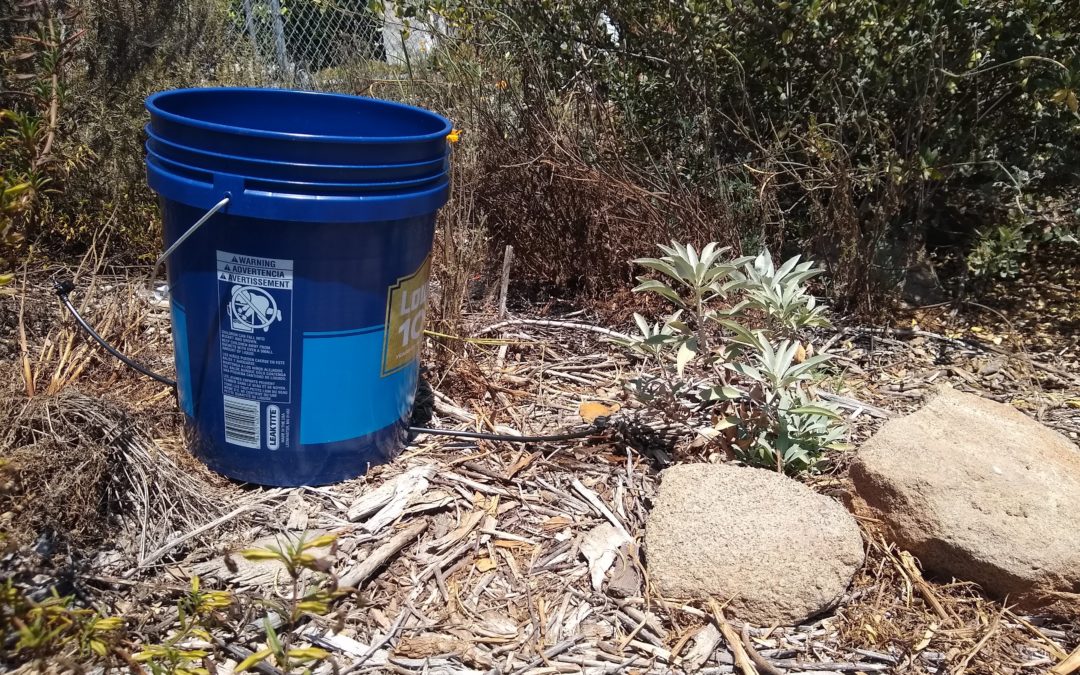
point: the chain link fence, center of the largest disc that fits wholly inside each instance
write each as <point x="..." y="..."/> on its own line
<point x="129" y="49"/>
<point x="326" y="44"/>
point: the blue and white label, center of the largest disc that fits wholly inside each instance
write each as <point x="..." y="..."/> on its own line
<point x="256" y="346"/>
<point x="273" y="427"/>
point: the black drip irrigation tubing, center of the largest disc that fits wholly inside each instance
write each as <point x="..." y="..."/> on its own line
<point x="64" y="288"/>
<point x="481" y="436"/>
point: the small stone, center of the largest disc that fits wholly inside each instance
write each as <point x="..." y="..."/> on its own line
<point x="625" y="581"/>
<point x="992" y="367"/>
<point x="779" y="551"/>
<point x="979" y="491"/>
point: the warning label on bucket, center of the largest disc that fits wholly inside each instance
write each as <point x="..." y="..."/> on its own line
<point x="256" y="343"/>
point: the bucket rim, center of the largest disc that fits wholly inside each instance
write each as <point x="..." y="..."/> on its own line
<point x="158" y="138"/>
<point x="360" y="188"/>
<point x="299" y="208"/>
<point x="155" y="109"/>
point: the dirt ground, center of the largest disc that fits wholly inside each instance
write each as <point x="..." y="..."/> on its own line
<point x="466" y="556"/>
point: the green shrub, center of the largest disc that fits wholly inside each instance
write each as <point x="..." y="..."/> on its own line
<point x="35" y="57"/>
<point x="860" y="131"/>
<point x="998" y="251"/>
<point x="38" y="630"/>
<point x="751" y="382"/>
<point x="863" y="129"/>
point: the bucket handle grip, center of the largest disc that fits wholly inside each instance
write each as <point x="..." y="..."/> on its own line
<point x="182" y="238"/>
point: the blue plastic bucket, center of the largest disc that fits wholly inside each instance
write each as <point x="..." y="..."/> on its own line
<point x="298" y="308"/>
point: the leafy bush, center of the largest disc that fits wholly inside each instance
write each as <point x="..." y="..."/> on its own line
<point x="14" y="196"/>
<point x="130" y="50"/>
<point x="862" y="129"/>
<point x="295" y="555"/>
<point x="998" y="251"/>
<point x="36" y="630"/>
<point x="752" y="381"/>
<point x="36" y="57"/>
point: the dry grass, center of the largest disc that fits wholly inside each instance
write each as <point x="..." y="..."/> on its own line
<point x="83" y="459"/>
<point x="460" y="247"/>
<point x="576" y="222"/>
<point x="57" y="477"/>
<point x="941" y="623"/>
<point x="86" y="471"/>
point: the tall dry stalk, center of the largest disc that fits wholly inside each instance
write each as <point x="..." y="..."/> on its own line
<point x="24" y="350"/>
<point x="460" y="248"/>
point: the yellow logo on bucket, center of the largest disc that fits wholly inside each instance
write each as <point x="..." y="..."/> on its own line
<point x="406" y="308"/>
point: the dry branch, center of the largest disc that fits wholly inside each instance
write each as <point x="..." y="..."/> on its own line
<point x="1070" y="664"/>
<point x="742" y="662"/>
<point x="554" y="324"/>
<point x="357" y="576"/>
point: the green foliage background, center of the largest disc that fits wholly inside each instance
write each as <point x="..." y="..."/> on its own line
<point x="863" y="132"/>
<point x="868" y="127"/>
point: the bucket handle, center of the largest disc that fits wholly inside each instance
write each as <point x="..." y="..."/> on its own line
<point x="182" y="238"/>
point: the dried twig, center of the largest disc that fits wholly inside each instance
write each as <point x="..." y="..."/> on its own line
<point x="758" y="659"/>
<point x="380" y="643"/>
<point x="854" y="404"/>
<point x="504" y="287"/>
<point x="548" y="654"/>
<point x="163" y="550"/>
<point x="355" y="577"/>
<point x="826" y="666"/>
<point x="1055" y="650"/>
<point x="911" y="569"/>
<point x="742" y="662"/>
<point x="959" y="670"/>
<point x="24" y="350"/>
<point x="1070" y="664"/>
<point x="555" y="324"/>
<point x="600" y="506"/>
<point x="966" y="343"/>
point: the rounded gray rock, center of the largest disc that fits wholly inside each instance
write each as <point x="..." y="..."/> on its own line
<point x="779" y="551"/>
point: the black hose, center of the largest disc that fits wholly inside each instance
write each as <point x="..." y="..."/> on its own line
<point x="479" y="435"/>
<point x="63" y="288"/>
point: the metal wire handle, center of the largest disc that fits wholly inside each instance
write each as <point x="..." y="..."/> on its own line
<point x="190" y="231"/>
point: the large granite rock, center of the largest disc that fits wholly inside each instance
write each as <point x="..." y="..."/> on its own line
<point x="979" y="491"/>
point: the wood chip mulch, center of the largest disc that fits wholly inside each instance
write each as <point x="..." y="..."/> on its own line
<point x="479" y="556"/>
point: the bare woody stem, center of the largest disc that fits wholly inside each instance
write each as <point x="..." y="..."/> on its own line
<point x="54" y="97"/>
